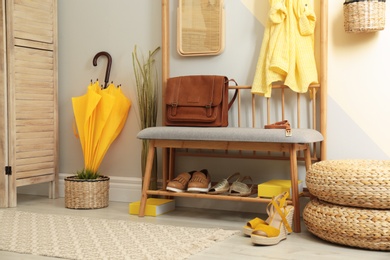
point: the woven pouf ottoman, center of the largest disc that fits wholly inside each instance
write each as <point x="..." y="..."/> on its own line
<point x="352" y="205"/>
<point x="358" y="183"/>
<point x="350" y="226"/>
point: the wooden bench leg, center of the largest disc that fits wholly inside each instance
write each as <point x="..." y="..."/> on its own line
<point x="146" y="179"/>
<point x="172" y="159"/>
<point x="307" y="158"/>
<point x="308" y="164"/>
<point x="166" y="157"/>
<point x="294" y="187"/>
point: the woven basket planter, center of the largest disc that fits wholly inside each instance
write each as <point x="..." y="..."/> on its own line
<point x="358" y="183"/>
<point x="362" y="16"/>
<point x="86" y="194"/>
<point x="355" y="227"/>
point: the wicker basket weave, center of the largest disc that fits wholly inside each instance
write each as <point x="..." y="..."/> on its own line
<point x="86" y="194"/>
<point x="364" y="15"/>
<point x="356" y="227"/>
<point x="358" y="183"/>
<point x="203" y="32"/>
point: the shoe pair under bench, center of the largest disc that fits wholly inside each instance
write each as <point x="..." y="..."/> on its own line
<point x="194" y="181"/>
<point x="200" y="181"/>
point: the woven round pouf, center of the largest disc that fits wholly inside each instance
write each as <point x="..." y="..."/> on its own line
<point x="358" y="183"/>
<point x="351" y="226"/>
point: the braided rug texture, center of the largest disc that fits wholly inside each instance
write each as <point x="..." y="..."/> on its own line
<point x="74" y="237"/>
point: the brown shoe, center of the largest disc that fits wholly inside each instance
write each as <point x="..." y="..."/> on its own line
<point x="200" y="182"/>
<point x="179" y="184"/>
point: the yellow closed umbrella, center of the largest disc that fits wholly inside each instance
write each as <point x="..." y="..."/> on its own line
<point x="100" y="116"/>
<point x="84" y="109"/>
<point x="113" y="124"/>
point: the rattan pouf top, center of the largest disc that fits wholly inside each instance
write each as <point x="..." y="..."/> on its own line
<point x="351" y="226"/>
<point x="358" y="183"/>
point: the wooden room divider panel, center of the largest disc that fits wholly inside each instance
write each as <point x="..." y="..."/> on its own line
<point x="29" y="128"/>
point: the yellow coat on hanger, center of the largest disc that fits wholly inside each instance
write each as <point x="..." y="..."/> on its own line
<point x="287" y="51"/>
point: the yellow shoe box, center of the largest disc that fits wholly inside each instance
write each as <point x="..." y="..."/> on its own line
<point x="275" y="187"/>
<point x="154" y="207"/>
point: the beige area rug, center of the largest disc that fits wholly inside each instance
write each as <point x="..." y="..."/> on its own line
<point x="73" y="237"/>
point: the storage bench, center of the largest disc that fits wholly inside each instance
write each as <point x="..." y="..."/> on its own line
<point x="227" y="138"/>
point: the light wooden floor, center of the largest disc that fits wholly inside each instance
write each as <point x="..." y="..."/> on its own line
<point x="297" y="246"/>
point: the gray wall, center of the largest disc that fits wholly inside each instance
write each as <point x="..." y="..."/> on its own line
<point x="86" y="28"/>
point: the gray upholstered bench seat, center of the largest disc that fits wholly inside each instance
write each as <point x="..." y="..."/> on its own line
<point x="230" y="134"/>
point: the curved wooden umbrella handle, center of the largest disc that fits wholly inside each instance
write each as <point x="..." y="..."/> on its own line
<point x="109" y="62"/>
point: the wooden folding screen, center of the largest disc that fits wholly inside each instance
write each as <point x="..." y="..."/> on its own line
<point x="29" y="126"/>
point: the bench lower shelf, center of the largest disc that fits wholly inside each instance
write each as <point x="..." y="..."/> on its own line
<point x="209" y="196"/>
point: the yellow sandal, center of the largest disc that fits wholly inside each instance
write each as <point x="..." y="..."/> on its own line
<point x="281" y="200"/>
<point x="277" y="228"/>
<point x="252" y="224"/>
